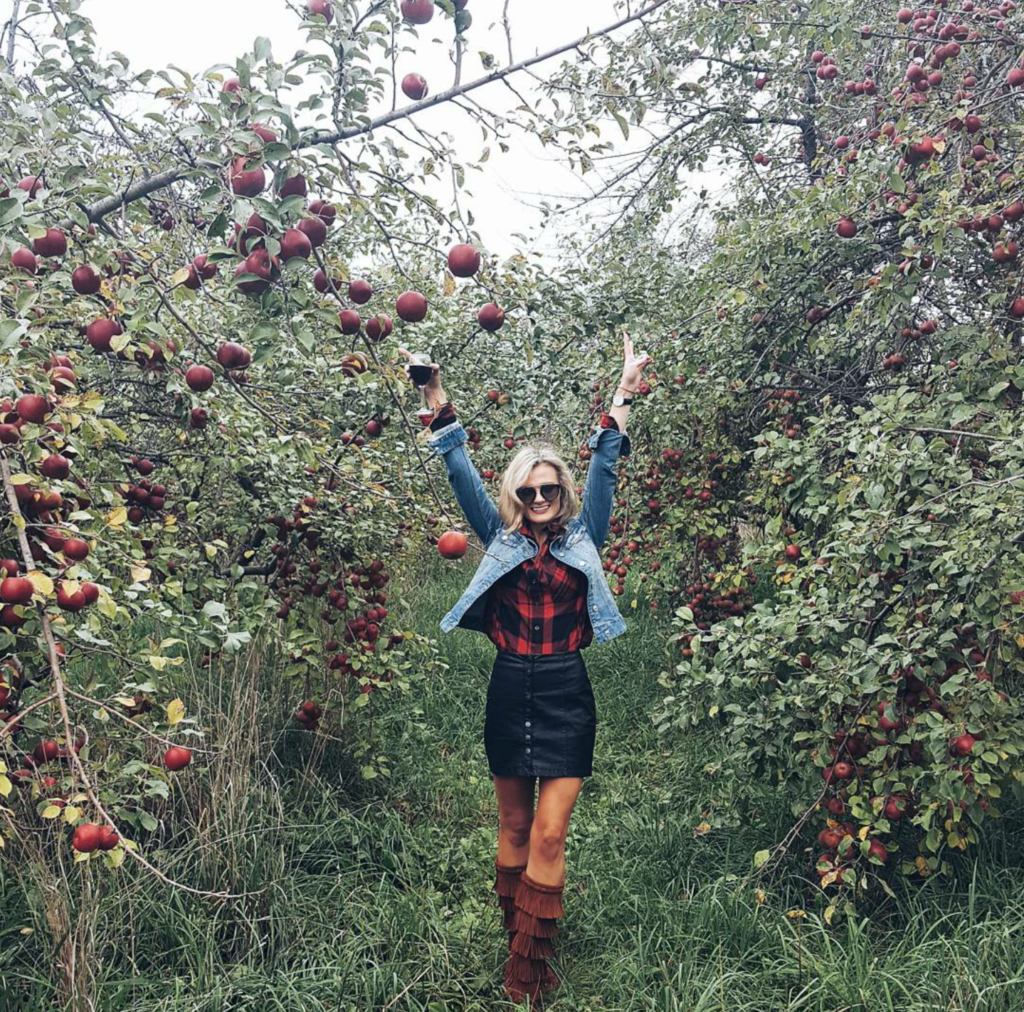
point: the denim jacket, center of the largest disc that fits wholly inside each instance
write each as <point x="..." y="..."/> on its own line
<point x="578" y="547"/>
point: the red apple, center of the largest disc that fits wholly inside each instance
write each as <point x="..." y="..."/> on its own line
<point x="177" y="758"/>
<point x="246" y="182"/>
<point x="265" y="134"/>
<point x="68" y="600"/>
<point x="53" y="244"/>
<point x="323" y="8"/>
<point x="85" y="280"/>
<point x="30" y="184"/>
<point x="233" y="356"/>
<point x="101" y="332"/>
<point x="378" y="327"/>
<point x="792" y="552"/>
<point x="1015" y="79"/>
<point x="846" y="229"/>
<point x="199" y="378"/>
<point x="32" y="408"/>
<point x="325" y="212"/>
<point x="417" y="12"/>
<point x="411" y="307"/>
<point x="349" y="321"/>
<point x="323" y="286"/>
<point x="463" y="260"/>
<point x="452" y="544"/>
<point x="295" y="244"/>
<point x="76" y="549"/>
<point x="360" y="291"/>
<point x="414" y="86"/>
<point x="55" y="467"/>
<point x="315" y="230"/>
<point x="232" y="86"/>
<point x="294" y="186"/>
<point x="491" y="317"/>
<point x="16" y="590"/>
<point x="25" y="260"/>
<point x="964" y="744"/>
<point x="87" y="838"/>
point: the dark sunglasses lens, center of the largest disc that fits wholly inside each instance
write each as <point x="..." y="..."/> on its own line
<point x="528" y="493"/>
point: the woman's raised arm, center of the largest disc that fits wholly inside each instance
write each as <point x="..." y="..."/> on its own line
<point x="481" y="513"/>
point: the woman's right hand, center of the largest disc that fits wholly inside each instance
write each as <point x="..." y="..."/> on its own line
<point x="433" y="390"/>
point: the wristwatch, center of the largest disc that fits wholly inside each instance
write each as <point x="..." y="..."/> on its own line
<point x="618" y="400"/>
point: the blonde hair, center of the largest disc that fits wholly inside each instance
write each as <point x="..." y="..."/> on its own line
<point x="513" y="511"/>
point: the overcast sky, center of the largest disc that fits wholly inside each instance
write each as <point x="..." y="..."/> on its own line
<point x="198" y="34"/>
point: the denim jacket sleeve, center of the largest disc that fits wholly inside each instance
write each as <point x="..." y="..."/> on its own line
<point x="480" y="512"/>
<point x="607" y="445"/>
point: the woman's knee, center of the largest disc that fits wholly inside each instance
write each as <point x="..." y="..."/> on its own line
<point x="547" y="839"/>
<point x="516" y="827"/>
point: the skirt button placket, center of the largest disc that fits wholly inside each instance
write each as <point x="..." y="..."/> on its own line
<point x="529" y="716"/>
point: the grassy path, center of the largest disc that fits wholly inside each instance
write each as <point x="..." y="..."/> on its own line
<point x="377" y="894"/>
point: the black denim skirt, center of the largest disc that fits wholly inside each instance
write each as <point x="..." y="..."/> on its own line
<point x="541" y="718"/>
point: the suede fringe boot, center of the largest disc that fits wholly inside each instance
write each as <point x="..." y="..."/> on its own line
<point x="505" y="882"/>
<point x="537" y="908"/>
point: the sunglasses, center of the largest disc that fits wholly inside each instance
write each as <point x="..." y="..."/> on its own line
<point x="528" y="493"/>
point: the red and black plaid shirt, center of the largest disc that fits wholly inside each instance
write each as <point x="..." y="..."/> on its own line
<point x="540" y="607"/>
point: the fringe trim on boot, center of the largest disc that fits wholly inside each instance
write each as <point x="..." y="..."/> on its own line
<point x="518" y="990"/>
<point x="533" y="948"/>
<point x="539" y="899"/>
<point x="508" y="907"/>
<point x="507" y="878"/>
<point x="520" y="968"/>
<point x="535" y="926"/>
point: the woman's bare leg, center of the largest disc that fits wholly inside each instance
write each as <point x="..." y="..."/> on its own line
<point x="555" y="802"/>
<point x="515" y="818"/>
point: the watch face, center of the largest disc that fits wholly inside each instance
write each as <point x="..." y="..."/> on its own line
<point x="618" y="400"/>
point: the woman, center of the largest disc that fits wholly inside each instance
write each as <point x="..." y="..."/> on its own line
<point x="540" y="595"/>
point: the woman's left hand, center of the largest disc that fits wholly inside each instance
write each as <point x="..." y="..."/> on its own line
<point x="633" y="364"/>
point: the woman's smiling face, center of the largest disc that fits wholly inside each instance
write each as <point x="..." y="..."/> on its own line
<point x="539" y="511"/>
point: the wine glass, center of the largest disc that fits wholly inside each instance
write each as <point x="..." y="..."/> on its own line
<point x="420" y="372"/>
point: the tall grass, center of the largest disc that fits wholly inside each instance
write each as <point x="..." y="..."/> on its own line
<point x="376" y="894"/>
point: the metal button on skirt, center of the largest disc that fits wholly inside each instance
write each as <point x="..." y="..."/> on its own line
<point x="541" y="718"/>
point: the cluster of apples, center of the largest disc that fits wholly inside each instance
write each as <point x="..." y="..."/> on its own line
<point x="308" y="715"/>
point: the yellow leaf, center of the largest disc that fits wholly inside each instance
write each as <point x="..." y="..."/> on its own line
<point x="796" y="914"/>
<point x="41" y="583"/>
<point x="124" y="700"/>
<point x="175" y="711"/>
<point x="117" y="517"/>
<point x="830" y="911"/>
<point x="449" y="285"/>
<point x="211" y="551"/>
<point x="863" y="833"/>
<point x="51" y="812"/>
<point x="71" y="814"/>
<point x="713" y="712"/>
<point x="21" y="479"/>
<point x="760" y="896"/>
<point x="179" y="277"/>
<point x="5" y="786"/>
<point x="157" y="663"/>
<point x="703" y="829"/>
<point x="1" y="841"/>
<point x="121" y="342"/>
<point x="140" y="574"/>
